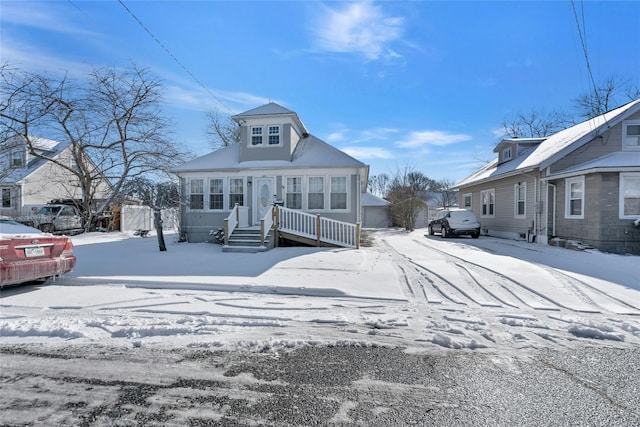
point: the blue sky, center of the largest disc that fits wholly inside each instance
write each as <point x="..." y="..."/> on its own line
<point x="422" y="85"/>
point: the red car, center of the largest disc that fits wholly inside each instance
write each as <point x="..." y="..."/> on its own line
<point x="29" y="255"/>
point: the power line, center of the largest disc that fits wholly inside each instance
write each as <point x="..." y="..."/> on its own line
<point x="177" y="61"/>
<point x="583" y="42"/>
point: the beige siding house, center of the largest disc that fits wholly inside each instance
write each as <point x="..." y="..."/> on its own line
<point x="28" y="181"/>
<point x="581" y="184"/>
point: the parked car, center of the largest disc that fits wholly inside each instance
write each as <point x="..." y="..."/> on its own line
<point x="455" y="222"/>
<point x="55" y="218"/>
<point x="30" y="255"/>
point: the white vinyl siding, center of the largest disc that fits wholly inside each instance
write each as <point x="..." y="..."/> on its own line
<point x="574" y="198"/>
<point x="520" y="200"/>
<point x="488" y="203"/>
<point x="630" y="195"/>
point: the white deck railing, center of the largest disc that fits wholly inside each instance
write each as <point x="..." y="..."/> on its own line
<point x="231" y="223"/>
<point x="318" y="228"/>
<point x="266" y="224"/>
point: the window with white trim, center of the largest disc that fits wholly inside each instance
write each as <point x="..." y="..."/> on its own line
<point x="466" y="201"/>
<point x="316" y="193"/>
<point x="338" y="195"/>
<point x="256" y="135"/>
<point x="18" y="158"/>
<point x="631" y="135"/>
<point x="236" y="192"/>
<point x="574" y="198"/>
<point x="216" y="194"/>
<point x="506" y="154"/>
<point x="520" y="199"/>
<point x="487" y="200"/>
<point x="274" y="134"/>
<point x="196" y="194"/>
<point x="294" y="193"/>
<point x="630" y="195"/>
<point x="6" y="198"/>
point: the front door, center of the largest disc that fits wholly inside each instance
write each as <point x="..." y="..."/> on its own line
<point x="264" y="197"/>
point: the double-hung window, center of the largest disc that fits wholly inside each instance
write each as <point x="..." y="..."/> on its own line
<point x="466" y="200"/>
<point x="196" y="194"/>
<point x="316" y="193"/>
<point x="256" y="135"/>
<point x="6" y="198"/>
<point x="338" y="192"/>
<point x="631" y="135"/>
<point x="216" y="194"/>
<point x="507" y="154"/>
<point x="294" y="193"/>
<point x="236" y="192"/>
<point x="574" y="197"/>
<point x="520" y="197"/>
<point x="274" y="135"/>
<point x="630" y="195"/>
<point x="488" y="197"/>
<point x="18" y="158"/>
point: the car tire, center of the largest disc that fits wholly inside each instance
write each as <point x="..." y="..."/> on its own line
<point x="430" y="230"/>
<point x="47" y="228"/>
<point x="475" y="235"/>
<point x="443" y="232"/>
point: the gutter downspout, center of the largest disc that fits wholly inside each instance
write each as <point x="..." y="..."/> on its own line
<point x="553" y="215"/>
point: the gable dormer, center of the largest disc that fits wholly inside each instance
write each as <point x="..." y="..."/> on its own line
<point x="269" y="132"/>
<point x="511" y="148"/>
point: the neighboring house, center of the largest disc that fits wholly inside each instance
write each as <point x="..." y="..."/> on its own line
<point x="27" y="181"/>
<point x="582" y="184"/>
<point x="276" y="161"/>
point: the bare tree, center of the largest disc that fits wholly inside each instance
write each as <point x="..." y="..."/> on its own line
<point x="606" y="96"/>
<point x="378" y="184"/>
<point x="442" y="191"/>
<point x="112" y="121"/>
<point x="222" y="132"/>
<point x="535" y="124"/>
<point x="157" y="196"/>
<point x="408" y="195"/>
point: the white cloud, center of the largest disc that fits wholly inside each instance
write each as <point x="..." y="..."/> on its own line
<point x="432" y="137"/>
<point x="366" y="153"/>
<point x="359" y="28"/>
<point x="50" y="18"/>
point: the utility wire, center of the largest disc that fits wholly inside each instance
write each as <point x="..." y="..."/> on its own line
<point x="177" y="61"/>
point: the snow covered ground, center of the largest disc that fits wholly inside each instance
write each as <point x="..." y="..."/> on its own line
<point x="407" y="289"/>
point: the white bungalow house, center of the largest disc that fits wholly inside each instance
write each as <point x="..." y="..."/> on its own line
<point x="27" y="181"/>
<point x="278" y="177"/>
<point x="580" y="184"/>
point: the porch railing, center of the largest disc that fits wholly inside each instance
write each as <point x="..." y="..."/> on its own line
<point x="318" y="228"/>
<point x="266" y="224"/>
<point x="231" y="223"/>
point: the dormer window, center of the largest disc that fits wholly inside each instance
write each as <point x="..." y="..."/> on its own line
<point x="274" y="135"/>
<point x="631" y="135"/>
<point x="506" y="154"/>
<point x="256" y="135"/>
<point x="18" y="158"/>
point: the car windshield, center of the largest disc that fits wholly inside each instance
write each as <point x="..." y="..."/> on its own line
<point x="48" y="210"/>
<point x="9" y="227"/>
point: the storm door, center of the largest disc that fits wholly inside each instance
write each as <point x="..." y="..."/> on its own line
<point x="264" y="197"/>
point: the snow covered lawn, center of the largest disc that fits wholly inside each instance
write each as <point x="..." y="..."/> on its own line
<point x="407" y="289"/>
